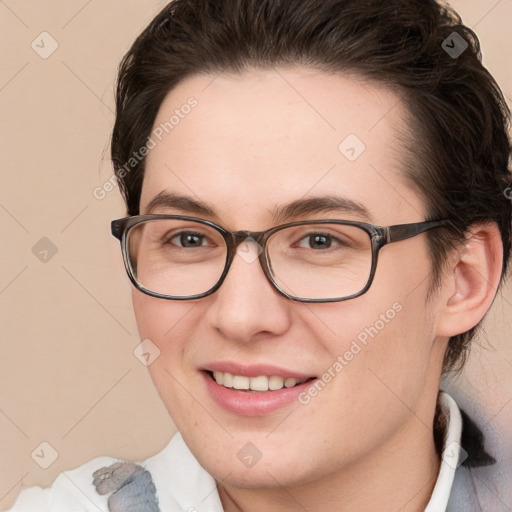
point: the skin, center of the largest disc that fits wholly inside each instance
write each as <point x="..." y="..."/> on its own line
<point x="265" y="138"/>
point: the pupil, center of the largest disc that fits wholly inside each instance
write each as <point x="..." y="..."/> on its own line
<point x="190" y="240"/>
<point x="320" y="241"/>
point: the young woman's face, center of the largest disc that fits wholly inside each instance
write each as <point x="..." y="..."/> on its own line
<point x="251" y="144"/>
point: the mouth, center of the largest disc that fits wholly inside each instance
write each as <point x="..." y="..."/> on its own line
<point x="258" y="384"/>
<point x="255" y="389"/>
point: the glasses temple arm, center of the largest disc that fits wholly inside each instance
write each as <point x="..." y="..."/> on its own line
<point x="117" y="228"/>
<point x="404" y="231"/>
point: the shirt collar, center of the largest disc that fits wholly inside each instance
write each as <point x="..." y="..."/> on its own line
<point x="450" y="455"/>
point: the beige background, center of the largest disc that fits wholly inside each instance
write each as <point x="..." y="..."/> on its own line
<point x="68" y="373"/>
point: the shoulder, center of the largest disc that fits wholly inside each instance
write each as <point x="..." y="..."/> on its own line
<point x="181" y="481"/>
<point x="181" y="484"/>
<point x="71" y="490"/>
<point x="481" y="481"/>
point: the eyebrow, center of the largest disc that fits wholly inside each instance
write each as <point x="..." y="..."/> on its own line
<point x="309" y="206"/>
<point x="281" y="213"/>
<point x="179" y="202"/>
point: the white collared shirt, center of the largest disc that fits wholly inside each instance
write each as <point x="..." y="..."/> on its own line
<point x="183" y="485"/>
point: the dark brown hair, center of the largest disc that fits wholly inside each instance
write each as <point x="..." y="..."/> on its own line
<point x="459" y="156"/>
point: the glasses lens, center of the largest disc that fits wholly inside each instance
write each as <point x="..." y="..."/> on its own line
<point x="320" y="261"/>
<point x="174" y="257"/>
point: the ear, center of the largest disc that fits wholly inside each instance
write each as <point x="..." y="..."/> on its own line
<point x="471" y="282"/>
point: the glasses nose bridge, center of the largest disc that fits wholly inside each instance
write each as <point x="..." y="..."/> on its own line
<point x="258" y="237"/>
<point x="239" y="237"/>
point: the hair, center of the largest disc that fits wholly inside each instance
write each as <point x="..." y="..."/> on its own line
<point x="458" y="155"/>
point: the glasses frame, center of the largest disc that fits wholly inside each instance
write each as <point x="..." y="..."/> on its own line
<point x="379" y="237"/>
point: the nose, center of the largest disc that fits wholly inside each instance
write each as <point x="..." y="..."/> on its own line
<point x="246" y="304"/>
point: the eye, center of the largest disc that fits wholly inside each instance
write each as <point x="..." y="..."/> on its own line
<point x="187" y="239"/>
<point x="320" y="241"/>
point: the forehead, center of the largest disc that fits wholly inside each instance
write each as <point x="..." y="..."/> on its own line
<point x="246" y="143"/>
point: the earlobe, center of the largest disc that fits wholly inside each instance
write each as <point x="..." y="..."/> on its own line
<point x="472" y="280"/>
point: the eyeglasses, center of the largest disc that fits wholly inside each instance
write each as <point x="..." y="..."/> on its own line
<point x="182" y="258"/>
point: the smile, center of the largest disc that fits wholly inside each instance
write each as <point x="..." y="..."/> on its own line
<point x="260" y="383"/>
<point x="254" y="390"/>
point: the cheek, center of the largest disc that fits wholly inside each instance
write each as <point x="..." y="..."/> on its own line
<point x="369" y="341"/>
<point x="166" y="324"/>
<point x="169" y="325"/>
<point x="376" y="370"/>
<point x="382" y="341"/>
<point x="161" y="320"/>
<point x="394" y="335"/>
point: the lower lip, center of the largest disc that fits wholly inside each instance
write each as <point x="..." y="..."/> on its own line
<point x="258" y="403"/>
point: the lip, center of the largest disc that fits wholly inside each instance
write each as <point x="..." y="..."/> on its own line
<point x="254" y="370"/>
<point x="261" y="403"/>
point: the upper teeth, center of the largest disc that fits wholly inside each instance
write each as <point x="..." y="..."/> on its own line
<point x="261" y="383"/>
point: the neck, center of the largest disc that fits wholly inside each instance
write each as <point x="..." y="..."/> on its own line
<point x="400" y="475"/>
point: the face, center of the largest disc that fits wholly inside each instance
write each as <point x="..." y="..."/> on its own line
<point x="253" y="143"/>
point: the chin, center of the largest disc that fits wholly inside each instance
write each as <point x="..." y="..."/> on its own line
<point x="249" y="468"/>
<point x="263" y="475"/>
